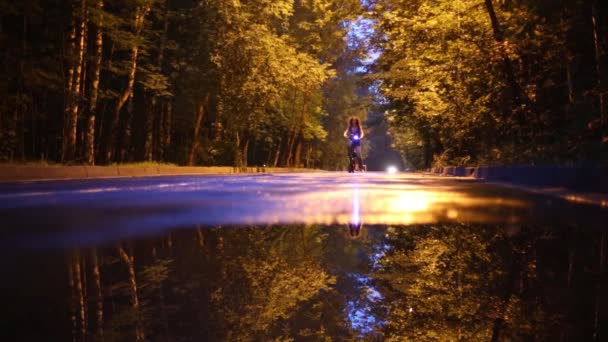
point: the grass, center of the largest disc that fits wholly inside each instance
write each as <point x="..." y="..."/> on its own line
<point x="52" y="164"/>
<point x="143" y="164"/>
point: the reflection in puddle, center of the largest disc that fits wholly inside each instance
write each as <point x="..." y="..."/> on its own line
<point x="385" y="259"/>
<point x="443" y="282"/>
<point x="361" y="314"/>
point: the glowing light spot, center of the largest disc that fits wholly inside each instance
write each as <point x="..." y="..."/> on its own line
<point x="452" y="214"/>
<point x="391" y="170"/>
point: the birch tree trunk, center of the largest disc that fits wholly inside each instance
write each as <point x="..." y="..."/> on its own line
<point x="71" y="116"/>
<point x="197" y="128"/>
<point x="277" y="153"/>
<point x="140" y="14"/>
<point x="89" y="154"/>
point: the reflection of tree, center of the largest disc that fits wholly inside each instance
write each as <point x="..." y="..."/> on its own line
<point x="277" y="274"/>
<point x="78" y="297"/>
<point x="461" y="282"/>
<point x="442" y="279"/>
<point x="129" y="262"/>
<point x="441" y="282"/>
<point x="98" y="294"/>
<point x="207" y="284"/>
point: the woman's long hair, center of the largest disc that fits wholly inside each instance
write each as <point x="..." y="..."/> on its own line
<point x="356" y="121"/>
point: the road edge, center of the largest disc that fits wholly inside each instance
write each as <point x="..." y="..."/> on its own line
<point x="20" y="173"/>
<point x="587" y="185"/>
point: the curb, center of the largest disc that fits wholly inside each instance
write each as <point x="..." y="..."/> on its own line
<point x="15" y="173"/>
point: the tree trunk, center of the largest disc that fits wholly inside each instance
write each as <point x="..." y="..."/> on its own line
<point x="517" y="91"/>
<point x="245" y="154"/>
<point x="140" y="14"/>
<point x="571" y="93"/>
<point x="152" y="114"/>
<point x="290" y="143"/>
<point x="71" y="117"/>
<point x="125" y="146"/>
<point x="298" y="153"/>
<point x="167" y="130"/>
<point x="308" y="156"/>
<point x="237" y="150"/>
<point x="599" y="65"/>
<point x="71" y="66"/>
<point x="197" y="128"/>
<point x="89" y="154"/>
<point x="218" y="128"/>
<point x="148" y="144"/>
<point x="130" y="263"/>
<point x="98" y="295"/>
<point x="277" y="154"/>
<point x="158" y="135"/>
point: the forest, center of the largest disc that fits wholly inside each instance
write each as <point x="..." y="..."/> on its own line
<point x="472" y="82"/>
<point x="273" y="82"/>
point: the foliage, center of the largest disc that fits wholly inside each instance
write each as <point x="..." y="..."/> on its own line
<point x="447" y="80"/>
<point x="228" y="82"/>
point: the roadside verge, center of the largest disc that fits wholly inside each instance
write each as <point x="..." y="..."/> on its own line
<point x="13" y="173"/>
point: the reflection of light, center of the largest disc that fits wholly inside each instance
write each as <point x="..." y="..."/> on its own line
<point x="360" y="318"/>
<point x="452" y="214"/>
<point x="361" y="314"/>
<point x="414" y="201"/>
<point x="586" y="200"/>
<point x="356" y="219"/>
<point x="391" y="169"/>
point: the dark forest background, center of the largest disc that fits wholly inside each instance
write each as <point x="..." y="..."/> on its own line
<point x="273" y="82"/>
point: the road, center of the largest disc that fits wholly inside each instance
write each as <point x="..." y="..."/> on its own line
<point x="58" y="214"/>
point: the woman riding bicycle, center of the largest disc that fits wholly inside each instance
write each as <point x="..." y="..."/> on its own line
<point x="354" y="134"/>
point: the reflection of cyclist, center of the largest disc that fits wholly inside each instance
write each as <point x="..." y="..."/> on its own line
<point x="354" y="134"/>
<point x="354" y="229"/>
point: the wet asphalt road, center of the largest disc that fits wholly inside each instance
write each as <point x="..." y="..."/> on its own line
<point x="59" y="214"/>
